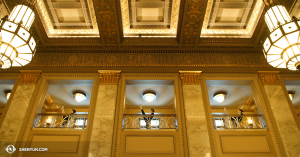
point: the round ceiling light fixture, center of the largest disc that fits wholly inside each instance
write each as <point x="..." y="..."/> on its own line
<point x="149" y="96"/>
<point x="291" y="95"/>
<point x="79" y="96"/>
<point x="7" y="94"/>
<point x="220" y="96"/>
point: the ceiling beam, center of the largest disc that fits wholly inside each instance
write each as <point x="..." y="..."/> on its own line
<point x="194" y="12"/>
<point x="106" y="14"/>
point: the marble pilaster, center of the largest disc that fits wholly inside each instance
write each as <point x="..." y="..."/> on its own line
<point x="103" y="123"/>
<point x="15" y="116"/>
<point x="284" y="119"/>
<point x="197" y="130"/>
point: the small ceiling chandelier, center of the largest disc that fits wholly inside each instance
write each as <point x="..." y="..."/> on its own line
<point x="7" y="94"/>
<point x="291" y="94"/>
<point x="149" y="96"/>
<point x="79" y="96"/>
<point x="281" y="48"/>
<point x="219" y="96"/>
<point x="17" y="45"/>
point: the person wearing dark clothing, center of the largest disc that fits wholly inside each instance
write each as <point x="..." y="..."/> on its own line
<point x="147" y="118"/>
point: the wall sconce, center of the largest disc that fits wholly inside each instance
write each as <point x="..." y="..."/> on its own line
<point x="291" y="95"/>
<point x="149" y="96"/>
<point x="79" y="96"/>
<point x="219" y="96"/>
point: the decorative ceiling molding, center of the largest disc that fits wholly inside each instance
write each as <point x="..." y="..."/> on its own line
<point x="54" y="32"/>
<point x="232" y="33"/>
<point x="191" y="25"/>
<point x="165" y="32"/>
<point x="109" y="77"/>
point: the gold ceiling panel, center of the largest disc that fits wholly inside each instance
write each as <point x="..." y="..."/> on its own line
<point x="68" y="18"/>
<point x="140" y="17"/>
<point x="232" y="19"/>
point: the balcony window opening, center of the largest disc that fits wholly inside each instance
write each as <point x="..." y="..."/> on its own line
<point x="293" y="90"/>
<point x="61" y="108"/>
<point x="149" y="104"/>
<point x="233" y="105"/>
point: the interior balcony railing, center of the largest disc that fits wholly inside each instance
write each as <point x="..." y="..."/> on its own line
<point x="156" y="122"/>
<point x="71" y="121"/>
<point x="239" y="122"/>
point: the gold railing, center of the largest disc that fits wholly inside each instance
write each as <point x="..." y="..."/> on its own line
<point x="157" y="122"/>
<point x="239" y="122"/>
<point x="76" y="121"/>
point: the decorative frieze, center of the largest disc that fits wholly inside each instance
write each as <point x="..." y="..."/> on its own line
<point x="269" y="77"/>
<point x="29" y="76"/>
<point x="150" y="59"/>
<point x="190" y="77"/>
<point x="109" y="76"/>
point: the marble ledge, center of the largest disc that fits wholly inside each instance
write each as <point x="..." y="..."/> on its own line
<point x="150" y="130"/>
<point x="59" y="129"/>
<point x="241" y="130"/>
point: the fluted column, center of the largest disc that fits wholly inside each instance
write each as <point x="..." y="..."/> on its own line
<point x="14" y="118"/>
<point x="197" y="131"/>
<point x="103" y="122"/>
<point x="283" y="115"/>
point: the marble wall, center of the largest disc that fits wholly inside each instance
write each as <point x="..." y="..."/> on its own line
<point x="285" y="121"/>
<point x="197" y="131"/>
<point x="14" y="118"/>
<point x="102" y="131"/>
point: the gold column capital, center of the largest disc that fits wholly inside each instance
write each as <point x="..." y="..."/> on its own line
<point x="190" y="77"/>
<point x="269" y="77"/>
<point x="29" y="76"/>
<point x="109" y="77"/>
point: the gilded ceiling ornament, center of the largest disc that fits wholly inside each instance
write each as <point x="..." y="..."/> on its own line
<point x="192" y="21"/>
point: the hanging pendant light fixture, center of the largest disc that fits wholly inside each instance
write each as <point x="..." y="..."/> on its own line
<point x="282" y="46"/>
<point x="17" y="45"/>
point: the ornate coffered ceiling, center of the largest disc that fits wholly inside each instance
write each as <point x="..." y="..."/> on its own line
<point x="159" y="24"/>
<point x="231" y="18"/>
<point x="67" y="18"/>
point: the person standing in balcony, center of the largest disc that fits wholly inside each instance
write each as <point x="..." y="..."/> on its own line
<point x="147" y="117"/>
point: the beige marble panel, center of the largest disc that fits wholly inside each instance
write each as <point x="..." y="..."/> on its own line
<point x="102" y="131"/>
<point x="197" y="131"/>
<point x="285" y="121"/>
<point x="14" y="118"/>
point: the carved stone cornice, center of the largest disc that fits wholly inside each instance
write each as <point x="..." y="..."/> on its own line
<point x="269" y="77"/>
<point x="190" y="77"/>
<point x="29" y="76"/>
<point x="109" y="77"/>
<point x="192" y="21"/>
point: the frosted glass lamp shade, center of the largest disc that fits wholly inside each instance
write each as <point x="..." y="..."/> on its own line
<point x="149" y="97"/>
<point x="17" y="44"/>
<point x="282" y="47"/>
<point x="79" y="96"/>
